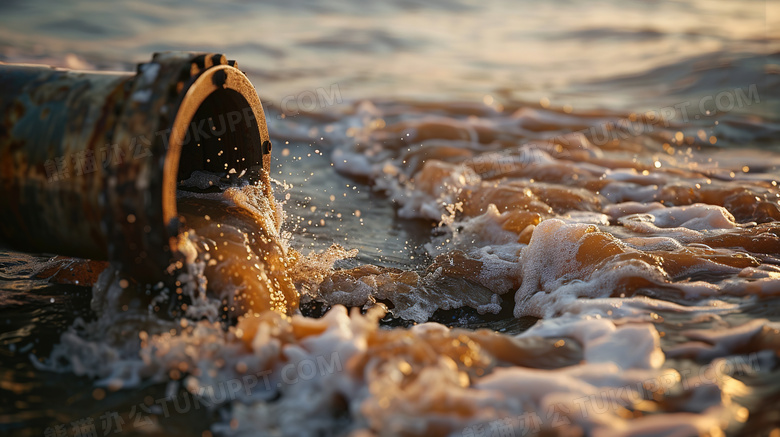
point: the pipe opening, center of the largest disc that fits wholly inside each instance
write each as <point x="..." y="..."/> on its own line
<point x="222" y="138"/>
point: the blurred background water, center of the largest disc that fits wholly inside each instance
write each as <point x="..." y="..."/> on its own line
<point x="604" y="53"/>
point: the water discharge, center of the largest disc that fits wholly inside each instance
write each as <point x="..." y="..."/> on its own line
<point x="233" y="248"/>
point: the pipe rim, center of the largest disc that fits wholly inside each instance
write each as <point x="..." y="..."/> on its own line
<point x="209" y="82"/>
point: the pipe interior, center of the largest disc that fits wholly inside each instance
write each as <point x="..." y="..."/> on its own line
<point x="223" y="135"/>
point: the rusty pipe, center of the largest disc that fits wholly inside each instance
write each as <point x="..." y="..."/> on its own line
<point x="90" y="161"/>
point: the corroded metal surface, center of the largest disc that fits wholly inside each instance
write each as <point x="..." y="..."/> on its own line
<point x="90" y="161"/>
